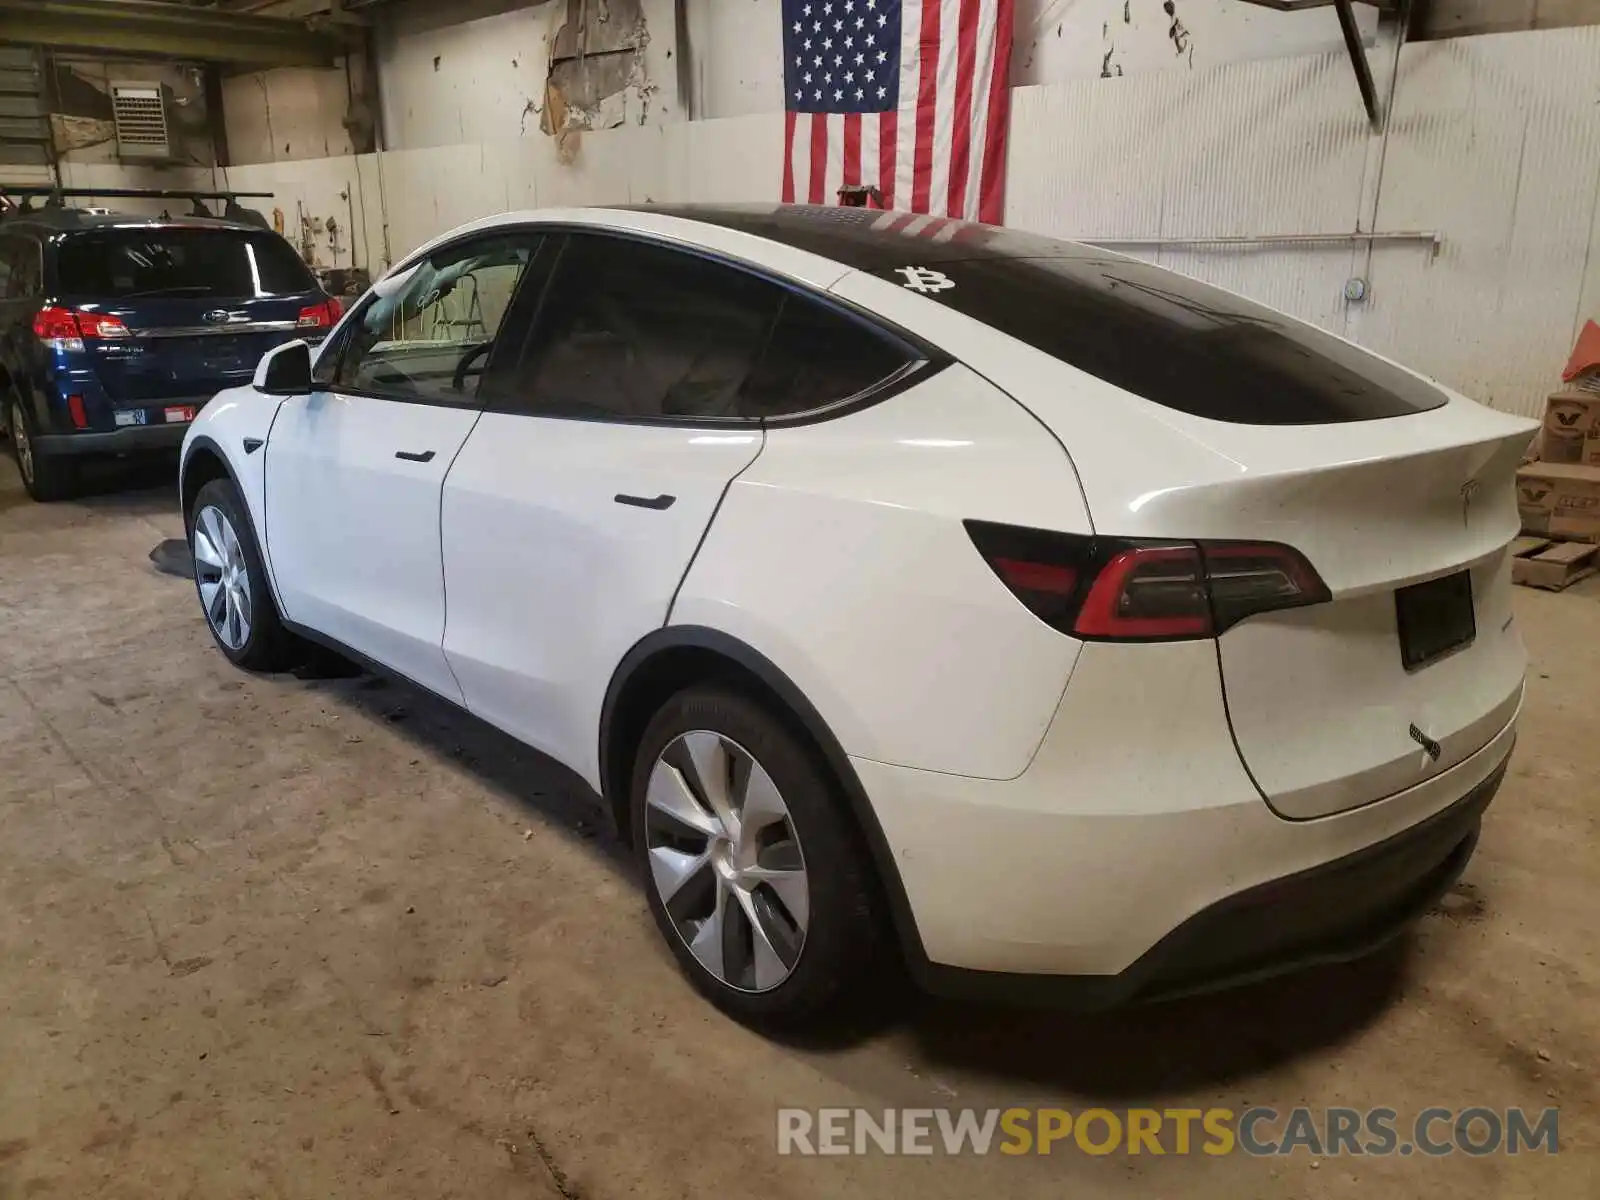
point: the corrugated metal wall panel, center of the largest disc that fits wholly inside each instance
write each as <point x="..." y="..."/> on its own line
<point x="1256" y="148"/>
<point x="1495" y="141"/>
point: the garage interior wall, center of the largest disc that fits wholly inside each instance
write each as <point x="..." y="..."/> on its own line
<point x="1493" y="143"/>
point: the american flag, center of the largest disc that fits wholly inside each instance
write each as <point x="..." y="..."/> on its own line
<point x="910" y="96"/>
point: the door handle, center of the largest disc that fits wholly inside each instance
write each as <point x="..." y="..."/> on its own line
<point x="658" y="502"/>
<point x="425" y="456"/>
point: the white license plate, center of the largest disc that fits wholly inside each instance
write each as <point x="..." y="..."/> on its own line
<point x="132" y="416"/>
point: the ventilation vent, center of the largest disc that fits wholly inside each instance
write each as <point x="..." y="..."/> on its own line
<point x="140" y="110"/>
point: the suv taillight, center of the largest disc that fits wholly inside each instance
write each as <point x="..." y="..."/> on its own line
<point x="1119" y="589"/>
<point x="321" y="316"/>
<point x="65" y="328"/>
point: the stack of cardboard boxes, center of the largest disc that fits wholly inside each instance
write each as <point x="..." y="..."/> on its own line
<point x="1559" y="493"/>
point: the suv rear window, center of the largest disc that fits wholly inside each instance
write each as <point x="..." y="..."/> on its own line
<point x="1182" y="344"/>
<point x="125" y="264"/>
<point x="1173" y="340"/>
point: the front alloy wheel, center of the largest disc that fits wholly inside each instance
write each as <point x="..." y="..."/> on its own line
<point x="223" y="577"/>
<point x="725" y="861"/>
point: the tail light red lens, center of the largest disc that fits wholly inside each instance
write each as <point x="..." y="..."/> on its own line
<point x="1115" y="589"/>
<point x="321" y="316"/>
<point x="65" y="328"/>
<point x="80" y="418"/>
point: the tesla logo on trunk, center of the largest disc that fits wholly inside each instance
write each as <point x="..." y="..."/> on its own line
<point x="1427" y="743"/>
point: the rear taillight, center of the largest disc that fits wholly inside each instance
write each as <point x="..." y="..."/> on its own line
<point x="321" y="316"/>
<point x="1118" y="589"/>
<point x="65" y="328"/>
<point x="75" y="409"/>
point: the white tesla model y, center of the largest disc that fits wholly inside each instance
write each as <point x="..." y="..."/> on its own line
<point x="909" y="589"/>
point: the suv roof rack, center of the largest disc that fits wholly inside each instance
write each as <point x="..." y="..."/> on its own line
<point x="17" y="199"/>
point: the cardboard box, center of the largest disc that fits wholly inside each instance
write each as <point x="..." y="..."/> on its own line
<point x="1571" y="431"/>
<point x="1560" y="500"/>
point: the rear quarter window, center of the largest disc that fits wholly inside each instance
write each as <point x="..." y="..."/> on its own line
<point x="125" y="264"/>
<point x="1182" y="344"/>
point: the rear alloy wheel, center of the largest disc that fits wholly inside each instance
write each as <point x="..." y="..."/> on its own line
<point x="726" y="862"/>
<point x="232" y="583"/>
<point x="755" y="872"/>
<point x="45" y="476"/>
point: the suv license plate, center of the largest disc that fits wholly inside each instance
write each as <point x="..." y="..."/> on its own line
<point x="1434" y="618"/>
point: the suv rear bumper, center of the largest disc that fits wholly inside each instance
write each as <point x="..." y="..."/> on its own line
<point x="131" y="439"/>
<point x="1134" y="856"/>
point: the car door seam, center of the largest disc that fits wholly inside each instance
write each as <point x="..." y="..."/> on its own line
<point x="266" y="511"/>
<point x="444" y="580"/>
<point x="712" y="520"/>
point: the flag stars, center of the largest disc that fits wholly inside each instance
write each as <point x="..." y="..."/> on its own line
<point x="799" y="28"/>
<point x="859" y="94"/>
<point x="849" y="76"/>
<point x="882" y="20"/>
<point x="838" y="95"/>
<point x="882" y="92"/>
<point x="860" y="58"/>
<point x="883" y="56"/>
<point x="827" y="43"/>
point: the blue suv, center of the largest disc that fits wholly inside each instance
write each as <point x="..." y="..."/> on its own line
<point x="115" y="330"/>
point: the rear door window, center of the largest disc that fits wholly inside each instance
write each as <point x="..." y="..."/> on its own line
<point x="634" y="331"/>
<point x="127" y="264"/>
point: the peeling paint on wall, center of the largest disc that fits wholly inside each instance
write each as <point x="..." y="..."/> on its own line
<point x="597" y="77"/>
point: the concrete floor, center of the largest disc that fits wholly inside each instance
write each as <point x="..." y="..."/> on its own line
<point x="282" y="937"/>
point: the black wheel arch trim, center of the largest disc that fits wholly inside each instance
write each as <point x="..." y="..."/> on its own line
<point x="699" y="637"/>
<point x="204" y="442"/>
<point x="207" y="443"/>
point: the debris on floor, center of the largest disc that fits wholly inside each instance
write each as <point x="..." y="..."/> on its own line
<point x="1541" y="563"/>
<point x="171" y="557"/>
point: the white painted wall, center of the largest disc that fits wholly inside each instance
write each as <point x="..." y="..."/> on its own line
<point x="286" y="114"/>
<point x="734" y="45"/>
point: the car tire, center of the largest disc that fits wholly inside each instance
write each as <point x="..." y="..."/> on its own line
<point x="231" y="582"/>
<point x="836" y="904"/>
<point x="46" y="477"/>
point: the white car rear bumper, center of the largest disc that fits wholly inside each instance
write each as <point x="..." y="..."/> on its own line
<point x="1135" y="817"/>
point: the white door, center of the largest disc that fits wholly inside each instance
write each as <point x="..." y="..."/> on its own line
<point x="355" y="471"/>
<point x="579" y="501"/>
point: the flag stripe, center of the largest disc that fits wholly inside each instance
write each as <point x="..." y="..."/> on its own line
<point x="852" y="150"/>
<point x="961" y="119"/>
<point x="927" y="105"/>
<point x="991" y="195"/>
<point x="789" y="119"/>
<point x="983" y="74"/>
<point x="819" y="157"/>
<point x="888" y="151"/>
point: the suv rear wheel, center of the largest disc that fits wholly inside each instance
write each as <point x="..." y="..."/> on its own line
<point x="47" y="477"/>
<point x="755" y="873"/>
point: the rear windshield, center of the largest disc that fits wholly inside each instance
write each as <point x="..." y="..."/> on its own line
<point x="1180" y="343"/>
<point x="1173" y="340"/>
<point x="125" y="264"/>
